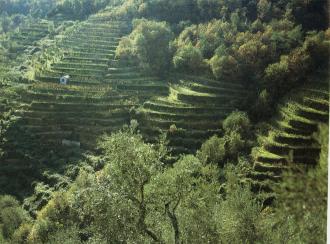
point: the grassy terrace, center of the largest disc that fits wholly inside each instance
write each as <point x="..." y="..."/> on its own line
<point x="30" y="33"/>
<point x="292" y="139"/>
<point x="190" y="114"/>
<point x="100" y="93"/>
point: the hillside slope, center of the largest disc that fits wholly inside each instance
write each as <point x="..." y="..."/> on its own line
<point x="292" y="139"/>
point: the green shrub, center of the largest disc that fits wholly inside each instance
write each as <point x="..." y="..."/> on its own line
<point x="237" y="121"/>
<point x="20" y="236"/>
<point x="300" y="213"/>
<point x="11" y="216"/>
<point x="237" y="214"/>
<point x="148" y="45"/>
<point x="225" y="67"/>
<point x="188" y="59"/>
<point x="213" y="150"/>
<point x="234" y="142"/>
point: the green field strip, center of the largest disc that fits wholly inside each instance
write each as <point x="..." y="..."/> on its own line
<point x="274" y="168"/>
<point x="283" y="150"/>
<point x="209" y="82"/>
<point x="286" y="127"/>
<point x="165" y="124"/>
<point x="110" y="45"/>
<point x="101" y="34"/>
<point x="81" y="71"/>
<point x="90" y="39"/>
<point x="83" y="81"/>
<point x="47" y="97"/>
<point x="76" y="106"/>
<point x="322" y="93"/>
<point x="216" y="87"/>
<point x="267" y="157"/>
<point x="88" y="55"/>
<point x="92" y="130"/>
<point x="181" y="116"/>
<point x="175" y="108"/>
<point x="180" y="133"/>
<point x="76" y="121"/>
<point x="120" y="30"/>
<point x="138" y="80"/>
<point x="144" y="87"/>
<point x="54" y="76"/>
<point x="317" y="103"/>
<point x="122" y="69"/>
<point x="291" y="139"/>
<point x="99" y="67"/>
<point x="297" y="121"/>
<point x="67" y="123"/>
<point x="70" y="89"/>
<point x="86" y="60"/>
<point x="189" y="96"/>
<point x="90" y="43"/>
<point x="74" y="114"/>
<point x="312" y="114"/>
<point x="90" y="49"/>
<point x="125" y="75"/>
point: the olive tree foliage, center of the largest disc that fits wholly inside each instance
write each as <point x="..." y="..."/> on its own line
<point x="12" y="216"/>
<point x="235" y="141"/>
<point x="189" y="58"/>
<point x="148" y="45"/>
<point x="294" y="68"/>
<point x="135" y="198"/>
<point x="79" y="9"/>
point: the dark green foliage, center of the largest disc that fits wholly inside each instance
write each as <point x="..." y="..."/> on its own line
<point x="144" y="200"/>
<point x="147" y="45"/>
<point x="213" y="150"/>
<point x="78" y="9"/>
<point x="238" y="216"/>
<point x="125" y="190"/>
<point x="237" y="121"/>
<point x="11" y="216"/>
<point x="235" y="141"/>
<point x="37" y="8"/>
<point x="189" y="58"/>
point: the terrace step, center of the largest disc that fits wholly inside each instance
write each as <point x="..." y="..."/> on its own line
<point x="157" y="105"/>
<point x="48" y="97"/>
<point x="92" y="60"/>
<point x="78" y="106"/>
<point x="98" y="67"/>
<point x="208" y="82"/>
<point x="182" y="124"/>
<point x="180" y="116"/>
<point x="219" y="89"/>
<point x="264" y="167"/>
<point x="189" y="96"/>
<point x="74" y="121"/>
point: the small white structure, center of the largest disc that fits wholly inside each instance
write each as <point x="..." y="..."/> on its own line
<point x="68" y="143"/>
<point x="64" y="80"/>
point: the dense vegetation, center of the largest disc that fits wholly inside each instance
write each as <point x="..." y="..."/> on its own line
<point x="191" y="121"/>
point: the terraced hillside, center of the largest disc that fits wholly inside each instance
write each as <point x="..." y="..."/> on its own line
<point x="51" y="118"/>
<point x="22" y="43"/>
<point x="292" y="141"/>
<point x="191" y="113"/>
<point x="31" y="32"/>
<point x="101" y="89"/>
